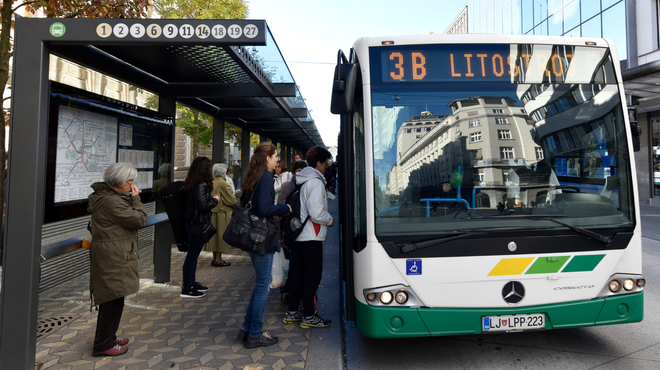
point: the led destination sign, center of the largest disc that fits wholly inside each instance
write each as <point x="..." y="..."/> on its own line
<point x="473" y="63"/>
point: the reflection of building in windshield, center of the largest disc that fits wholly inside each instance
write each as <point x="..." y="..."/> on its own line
<point x="487" y="136"/>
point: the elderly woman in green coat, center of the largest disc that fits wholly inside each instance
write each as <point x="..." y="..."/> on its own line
<point x="117" y="214"/>
<point x="220" y="215"/>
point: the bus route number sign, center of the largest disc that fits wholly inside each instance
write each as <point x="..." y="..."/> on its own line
<point x="470" y="63"/>
<point x="513" y="323"/>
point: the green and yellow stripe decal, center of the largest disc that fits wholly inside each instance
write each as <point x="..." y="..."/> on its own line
<point x="546" y="265"/>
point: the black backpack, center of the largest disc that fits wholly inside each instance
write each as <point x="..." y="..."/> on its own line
<point x="290" y="224"/>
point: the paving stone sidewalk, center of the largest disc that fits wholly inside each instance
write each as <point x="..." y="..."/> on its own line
<point x="166" y="331"/>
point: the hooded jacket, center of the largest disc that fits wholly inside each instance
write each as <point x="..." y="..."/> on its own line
<point x="313" y="203"/>
<point x="116" y="218"/>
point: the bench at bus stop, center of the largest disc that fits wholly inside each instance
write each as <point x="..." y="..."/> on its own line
<point x="162" y="246"/>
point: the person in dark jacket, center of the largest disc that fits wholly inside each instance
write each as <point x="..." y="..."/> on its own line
<point x="260" y="190"/>
<point x="199" y="203"/>
<point x="117" y="214"/>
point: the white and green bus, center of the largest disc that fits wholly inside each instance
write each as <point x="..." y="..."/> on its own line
<point x="487" y="185"/>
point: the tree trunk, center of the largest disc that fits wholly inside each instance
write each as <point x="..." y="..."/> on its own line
<point x="4" y="77"/>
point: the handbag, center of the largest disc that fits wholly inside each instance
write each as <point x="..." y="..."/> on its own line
<point x="205" y="230"/>
<point x="249" y="232"/>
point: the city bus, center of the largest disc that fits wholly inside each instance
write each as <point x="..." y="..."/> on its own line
<point x="487" y="185"/>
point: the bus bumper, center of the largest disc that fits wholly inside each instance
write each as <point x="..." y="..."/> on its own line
<point x="393" y="322"/>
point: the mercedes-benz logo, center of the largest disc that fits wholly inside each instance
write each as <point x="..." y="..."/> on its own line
<point x="513" y="292"/>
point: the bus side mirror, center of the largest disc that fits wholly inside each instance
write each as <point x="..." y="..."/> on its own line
<point x="635" y="129"/>
<point x="343" y="85"/>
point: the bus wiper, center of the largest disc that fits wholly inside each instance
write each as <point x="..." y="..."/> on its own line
<point x="606" y="240"/>
<point x="409" y="247"/>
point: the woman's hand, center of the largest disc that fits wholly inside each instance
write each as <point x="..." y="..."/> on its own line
<point x="134" y="190"/>
<point x="290" y="210"/>
<point x="217" y="197"/>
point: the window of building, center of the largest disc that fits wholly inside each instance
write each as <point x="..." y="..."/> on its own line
<point x="428" y="129"/>
<point x="475" y="123"/>
<point x="475" y="136"/>
<point x="506" y="153"/>
<point x="501" y="121"/>
<point x="418" y="130"/>
<point x="539" y="153"/>
<point x="504" y="134"/>
<point x="498" y="110"/>
<point x="408" y="131"/>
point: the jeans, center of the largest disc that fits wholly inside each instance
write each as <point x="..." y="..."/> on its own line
<point x="190" y="263"/>
<point x="263" y="266"/>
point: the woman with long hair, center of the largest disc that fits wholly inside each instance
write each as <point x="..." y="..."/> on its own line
<point x="259" y="189"/>
<point x="199" y="204"/>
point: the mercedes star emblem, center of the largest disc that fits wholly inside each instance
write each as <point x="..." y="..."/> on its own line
<point x="513" y="292"/>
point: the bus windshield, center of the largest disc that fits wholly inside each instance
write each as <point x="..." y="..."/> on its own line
<point x="473" y="137"/>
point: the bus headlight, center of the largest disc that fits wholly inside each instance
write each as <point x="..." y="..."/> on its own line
<point x="641" y="283"/>
<point x="615" y="286"/>
<point x="401" y="297"/>
<point x="628" y="284"/>
<point x="386" y="297"/>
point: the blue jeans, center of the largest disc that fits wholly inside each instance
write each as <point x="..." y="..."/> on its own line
<point x="190" y="263"/>
<point x="263" y="266"/>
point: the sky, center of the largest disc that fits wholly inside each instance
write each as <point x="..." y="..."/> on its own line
<point x="309" y="33"/>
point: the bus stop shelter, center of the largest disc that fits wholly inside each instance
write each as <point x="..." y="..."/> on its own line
<point x="230" y="70"/>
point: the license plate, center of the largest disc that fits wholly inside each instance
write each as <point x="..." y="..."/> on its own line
<point x="514" y="323"/>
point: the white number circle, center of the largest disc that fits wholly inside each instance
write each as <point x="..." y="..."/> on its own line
<point x="186" y="31"/>
<point x="202" y="31"/>
<point x="251" y="31"/>
<point x="154" y="31"/>
<point x="137" y="30"/>
<point x="104" y="30"/>
<point x="218" y="31"/>
<point x="235" y="31"/>
<point x="120" y="30"/>
<point x="170" y="31"/>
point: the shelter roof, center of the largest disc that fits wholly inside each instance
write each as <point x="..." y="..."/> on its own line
<point x="249" y="86"/>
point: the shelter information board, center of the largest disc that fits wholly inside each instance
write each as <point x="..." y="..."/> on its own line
<point x="86" y="146"/>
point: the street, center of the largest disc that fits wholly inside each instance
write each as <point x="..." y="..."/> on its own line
<point x="628" y="346"/>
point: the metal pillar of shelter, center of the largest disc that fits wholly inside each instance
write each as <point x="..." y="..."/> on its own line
<point x="172" y="58"/>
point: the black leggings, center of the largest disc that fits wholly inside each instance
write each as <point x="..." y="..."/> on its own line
<point x="306" y="275"/>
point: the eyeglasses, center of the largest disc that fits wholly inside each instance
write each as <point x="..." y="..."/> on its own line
<point x="129" y="182"/>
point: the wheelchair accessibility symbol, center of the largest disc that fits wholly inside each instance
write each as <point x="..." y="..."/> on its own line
<point x="414" y="267"/>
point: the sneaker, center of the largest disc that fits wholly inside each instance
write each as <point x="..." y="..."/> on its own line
<point x="264" y="340"/>
<point x="114" y="351"/>
<point x="121" y="341"/>
<point x="292" y="316"/>
<point x="191" y="293"/>
<point x="242" y="336"/>
<point x="314" y="321"/>
<point x="199" y="287"/>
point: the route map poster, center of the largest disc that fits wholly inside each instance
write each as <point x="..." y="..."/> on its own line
<point x="86" y="146"/>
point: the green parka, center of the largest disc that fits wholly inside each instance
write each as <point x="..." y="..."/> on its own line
<point x="116" y="218"/>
